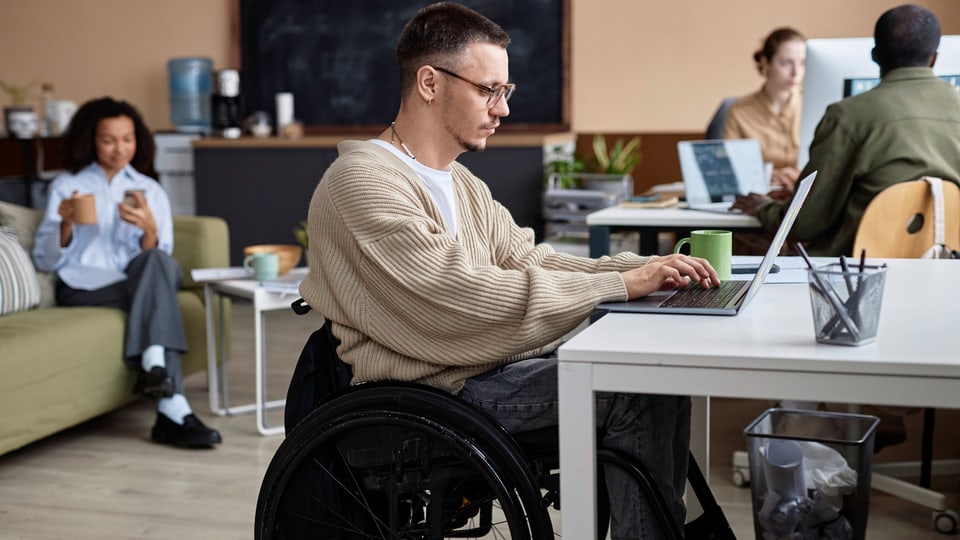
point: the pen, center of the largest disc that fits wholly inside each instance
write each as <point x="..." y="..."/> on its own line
<point x="846" y="274"/>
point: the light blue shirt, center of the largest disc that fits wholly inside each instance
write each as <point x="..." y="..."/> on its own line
<point x="98" y="254"/>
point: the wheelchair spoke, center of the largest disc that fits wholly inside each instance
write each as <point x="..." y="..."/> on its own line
<point x="353" y="494"/>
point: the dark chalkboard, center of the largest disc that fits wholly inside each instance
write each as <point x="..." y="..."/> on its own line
<point x="338" y="59"/>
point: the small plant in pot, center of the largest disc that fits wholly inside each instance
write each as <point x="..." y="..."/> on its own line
<point x="300" y="233"/>
<point x="613" y="165"/>
<point x="564" y="165"/>
<point x="20" y="117"/>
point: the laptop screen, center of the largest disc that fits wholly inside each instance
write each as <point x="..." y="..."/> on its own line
<point x="719" y="170"/>
<point x="802" y="190"/>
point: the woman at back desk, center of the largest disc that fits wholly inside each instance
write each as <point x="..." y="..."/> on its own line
<point x="772" y="114"/>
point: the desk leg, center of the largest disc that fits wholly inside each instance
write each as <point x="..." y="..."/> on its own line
<point x="599" y="241"/>
<point x="699" y="446"/>
<point x="259" y="347"/>
<point x="213" y="382"/>
<point x="578" y="467"/>
<point x="217" y="387"/>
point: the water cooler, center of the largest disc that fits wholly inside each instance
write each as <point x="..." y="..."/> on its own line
<point x="191" y="87"/>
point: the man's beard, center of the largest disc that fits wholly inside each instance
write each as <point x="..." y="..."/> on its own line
<point x="466" y="145"/>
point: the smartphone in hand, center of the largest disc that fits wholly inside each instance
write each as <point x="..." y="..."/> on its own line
<point x="130" y="198"/>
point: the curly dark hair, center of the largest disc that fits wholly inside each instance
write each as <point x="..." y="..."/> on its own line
<point x="440" y="31"/>
<point x="79" y="145"/>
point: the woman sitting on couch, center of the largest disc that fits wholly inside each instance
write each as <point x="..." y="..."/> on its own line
<point x="108" y="235"/>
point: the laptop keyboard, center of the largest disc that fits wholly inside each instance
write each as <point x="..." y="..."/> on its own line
<point x="706" y="298"/>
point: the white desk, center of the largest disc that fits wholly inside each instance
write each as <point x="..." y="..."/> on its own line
<point x="650" y="221"/>
<point x="263" y="301"/>
<point x="766" y="352"/>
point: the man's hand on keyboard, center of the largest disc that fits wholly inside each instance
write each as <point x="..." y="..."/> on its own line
<point x="669" y="272"/>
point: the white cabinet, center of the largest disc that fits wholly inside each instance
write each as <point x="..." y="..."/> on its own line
<point x="174" y="164"/>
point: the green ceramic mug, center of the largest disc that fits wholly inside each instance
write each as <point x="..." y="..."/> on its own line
<point x="264" y="265"/>
<point x="714" y="246"/>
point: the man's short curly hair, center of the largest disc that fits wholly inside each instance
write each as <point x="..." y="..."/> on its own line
<point x="906" y="36"/>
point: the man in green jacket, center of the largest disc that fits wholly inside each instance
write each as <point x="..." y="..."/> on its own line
<point x="905" y="128"/>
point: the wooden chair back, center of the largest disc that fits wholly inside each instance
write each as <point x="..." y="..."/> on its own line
<point x="899" y="221"/>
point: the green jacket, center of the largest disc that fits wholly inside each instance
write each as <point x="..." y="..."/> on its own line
<point x="905" y="128"/>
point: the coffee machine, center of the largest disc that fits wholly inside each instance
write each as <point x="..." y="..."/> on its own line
<point x="227" y="105"/>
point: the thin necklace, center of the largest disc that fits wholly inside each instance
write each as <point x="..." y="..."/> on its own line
<point x="393" y="133"/>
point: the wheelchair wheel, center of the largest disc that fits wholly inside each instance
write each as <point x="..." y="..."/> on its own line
<point x="400" y="462"/>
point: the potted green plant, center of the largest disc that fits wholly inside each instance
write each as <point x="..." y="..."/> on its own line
<point x="564" y="166"/>
<point x="300" y="233"/>
<point x="612" y="166"/>
<point x="621" y="158"/>
<point x="19" y="116"/>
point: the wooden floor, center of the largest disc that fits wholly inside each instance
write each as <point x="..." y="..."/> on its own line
<point x="104" y="479"/>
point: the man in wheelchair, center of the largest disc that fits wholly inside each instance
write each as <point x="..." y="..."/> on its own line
<point x="424" y="278"/>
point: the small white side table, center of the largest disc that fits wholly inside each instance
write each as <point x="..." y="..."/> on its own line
<point x="263" y="301"/>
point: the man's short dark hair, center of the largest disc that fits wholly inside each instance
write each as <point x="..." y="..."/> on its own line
<point x="906" y="36"/>
<point x="439" y="32"/>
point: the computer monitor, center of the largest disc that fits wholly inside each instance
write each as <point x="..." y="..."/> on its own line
<point x="840" y="67"/>
<point x="852" y="87"/>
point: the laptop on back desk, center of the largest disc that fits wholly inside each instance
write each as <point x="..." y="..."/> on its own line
<point x="733" y="295"/>
<point x="716" y="171"/>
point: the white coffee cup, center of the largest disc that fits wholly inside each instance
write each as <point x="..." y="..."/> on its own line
<point x="783" y="469"/>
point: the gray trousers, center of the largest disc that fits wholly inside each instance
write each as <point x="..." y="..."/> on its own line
<point x="149" y="297"/>
<point x="653" y="429"/>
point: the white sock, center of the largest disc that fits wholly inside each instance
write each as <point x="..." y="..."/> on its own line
<point x="153" y="356"/>
<point x="174" y="407"/>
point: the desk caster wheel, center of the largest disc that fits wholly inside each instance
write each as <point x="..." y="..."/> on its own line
<point x="945" y="521"/>
<point x="741" y="477"/>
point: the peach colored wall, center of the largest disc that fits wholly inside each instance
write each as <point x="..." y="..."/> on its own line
<point x="91" y="48"/>
<point x="644" y="65"/>
<point x="636" y="65"/>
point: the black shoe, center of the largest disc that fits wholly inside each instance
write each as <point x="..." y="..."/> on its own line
<point x="192" y="434"/>
<point x="154" y="384"/>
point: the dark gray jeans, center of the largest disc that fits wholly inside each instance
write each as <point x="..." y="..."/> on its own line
<point x="149" y="296"/>
<point x="654" y="429"/>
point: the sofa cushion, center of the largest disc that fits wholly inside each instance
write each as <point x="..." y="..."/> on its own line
<point x="24" y="222"/>
<point x="19" y="288"/>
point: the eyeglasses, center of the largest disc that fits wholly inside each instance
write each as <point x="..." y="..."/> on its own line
<point x="499" y="91"/>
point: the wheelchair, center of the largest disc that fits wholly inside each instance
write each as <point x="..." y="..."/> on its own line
<point x="398" y="460"/>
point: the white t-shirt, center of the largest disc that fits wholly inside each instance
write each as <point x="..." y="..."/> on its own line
<point x="438" y="183"/>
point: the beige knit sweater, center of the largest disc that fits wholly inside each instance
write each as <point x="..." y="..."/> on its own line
<point x="411" y="302"/>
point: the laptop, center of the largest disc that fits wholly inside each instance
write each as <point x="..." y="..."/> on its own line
<point x="716" y="171"/>
<point x="733" y="295"/>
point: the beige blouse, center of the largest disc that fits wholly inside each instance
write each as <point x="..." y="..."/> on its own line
<point x="753" y="117"/>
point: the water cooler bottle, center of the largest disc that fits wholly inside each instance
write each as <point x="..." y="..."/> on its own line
<point x="191" y="83"/>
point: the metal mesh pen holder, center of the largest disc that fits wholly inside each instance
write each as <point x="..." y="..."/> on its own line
<point x="846" y="303"/>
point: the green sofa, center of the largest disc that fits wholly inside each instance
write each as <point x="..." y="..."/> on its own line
<point x="60" y="366"/>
